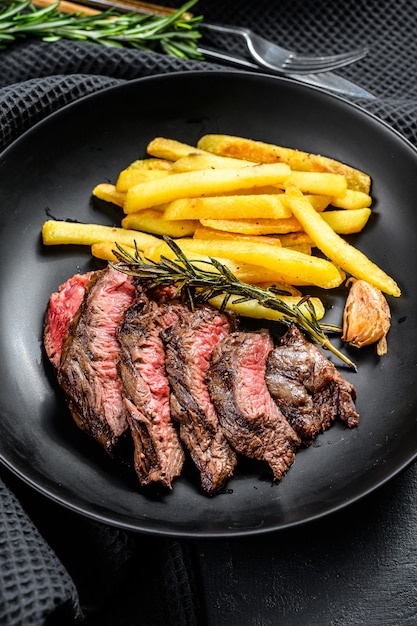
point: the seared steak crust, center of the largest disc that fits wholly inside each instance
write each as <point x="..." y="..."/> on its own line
<point x="307" y="387"/>
<point x="189" y="346"/>
<point x="147" y="366"/>
<point x="88" y="367"/>
<point x="251" y="420"/>
<point x="158" y="454"/>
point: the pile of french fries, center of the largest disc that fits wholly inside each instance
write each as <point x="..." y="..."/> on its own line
<point x="261" y="209"/>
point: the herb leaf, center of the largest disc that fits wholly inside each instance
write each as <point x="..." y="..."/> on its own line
<point x="211" y="278"/>
<point x="172" y="34"/>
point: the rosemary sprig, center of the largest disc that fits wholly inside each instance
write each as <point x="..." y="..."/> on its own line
<point x="172" y="34"/>
<point x="200" y="284"/>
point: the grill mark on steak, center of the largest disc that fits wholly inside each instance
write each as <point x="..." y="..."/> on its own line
<point x="307" y="387"/>
<point x="158" y="454"/>
<point x="251" y="420"/>
<point x="88" y="368"/>
<point x="63" y="305"/>
<point x="189" y="346"/>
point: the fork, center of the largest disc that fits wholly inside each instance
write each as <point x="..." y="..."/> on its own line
<point x="281" y="60"/>
<point x="265" y="53"/>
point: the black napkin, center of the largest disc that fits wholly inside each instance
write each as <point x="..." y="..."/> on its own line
<point x="58" y="568"/>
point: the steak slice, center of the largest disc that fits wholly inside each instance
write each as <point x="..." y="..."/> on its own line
<point x="251" y="420"/>
<point x="307" y="387"/>
<point x="63" y="305"/>
<point x="189" y="346"/>
<point x="90" y="351"/>
<point x="158" y="454"/>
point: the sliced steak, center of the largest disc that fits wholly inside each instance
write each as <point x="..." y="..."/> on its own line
<point x="90" y="351"/>
<point x="189" y="346"/>
<point x="63" y="305"/>
<point x="307" y="387"/>
<point x="158" y="454"/>
<point x="251" y="420"/>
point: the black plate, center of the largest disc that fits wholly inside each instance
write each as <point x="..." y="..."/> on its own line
<point x="53" y="168"/>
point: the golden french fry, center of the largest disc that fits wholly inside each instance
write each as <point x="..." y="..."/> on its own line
<point x="109" y="193"/>
<point x="290" y="266"/>
<point x="260" y="152"/>
<point x="55" y="232"/>
<point x="198" y="183"/>
<point x="337" y="249"/>
<point x="186" y="157"/>
<point x="200" y="161"/>
<point x="151" y="164"/>
<point x="295" y="239"/>
<point x="246" y="272"/>
<point x="104" y="251"/>
<point x="153" y="221"/>
<point x="134" y="175"/>
<point x="305" y="248"/>
<point x="286" y="289"/>
<point x="170" y="149"/>
<point x="229" y="207"/>
<point x="255" y="226"/>
<point x="352" y="200"/>
<point x="203" y="232"/>
<point x="347" y="222"/>
<point x="322" y="183"/>
<point x="252" y="308"/>
<point x="318" y="201"/>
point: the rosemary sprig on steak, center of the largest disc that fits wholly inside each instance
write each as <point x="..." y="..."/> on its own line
<point x="201" y="284"/>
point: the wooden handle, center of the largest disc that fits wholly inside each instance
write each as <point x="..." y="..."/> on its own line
<point x="68" y="7"/>
<point x="94" y="7"/>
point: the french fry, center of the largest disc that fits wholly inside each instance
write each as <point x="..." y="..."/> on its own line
<point x="56" y="232"/>
<point x="347" y="222"/>
<point x="151" y="163"/>
<point x="255" y="226"/>
<point x="200" y="161"/>
<point x="229" y="207"/>
<point x="134" y="175"/>
<point x="186" y="157"/>
<point x="109" y="193"/>
<point x="246" y="272"/>
<point x="260" y="152"/>
<point x="254" y="310"/>
<point x="352" y="200"/>
<point x="104" y="251"/>
<point x="319" y="202"/>
<point x="305" y="248"/>
<point x="171" y="149"/>
<point x="286" y="289"/>
<point x="202" y="232"/>
<point x="342" y="222"/>
<point x="294" y="239"/>
<point x="323" y="183"/>
<point x="198" y="183"/>
<point x="290" y="266"/>
<point x="153" y="221"/>
<point x="336" y="248"/>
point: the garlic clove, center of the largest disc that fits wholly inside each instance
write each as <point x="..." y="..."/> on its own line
<point x="366" y="317"/>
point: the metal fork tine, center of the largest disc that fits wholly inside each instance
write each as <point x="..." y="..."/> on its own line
<point x="334" y="58"/>
<point x="270" y="55"/>
<point x="296" y="63"/>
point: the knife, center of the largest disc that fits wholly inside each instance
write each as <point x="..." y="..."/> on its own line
<point x="326" y="80"/>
